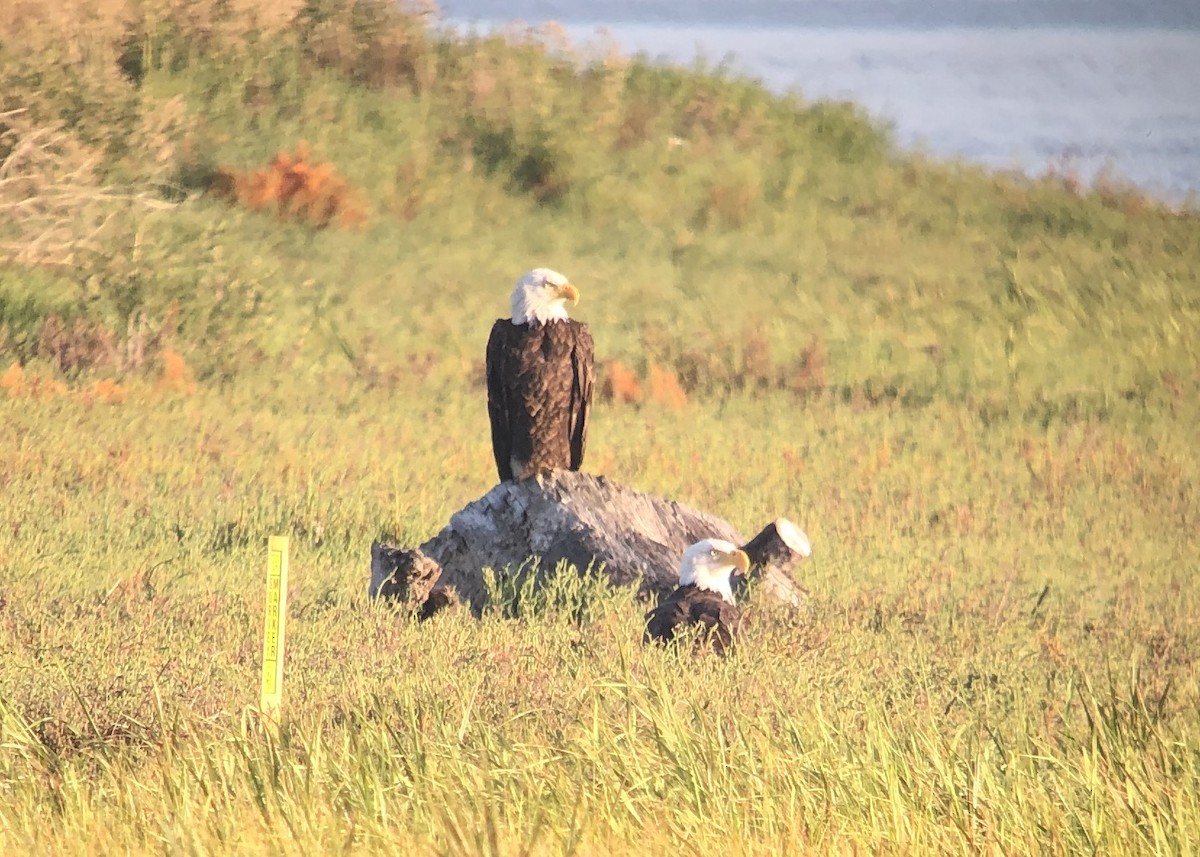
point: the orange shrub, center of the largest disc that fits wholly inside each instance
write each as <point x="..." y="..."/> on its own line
<point x="17" y="383"/>
<point x="665" y="388"/>
<point x="175" y="373"/>
<point x="10" y="381"/>
<point x="104" y="390"/>
<point x="295" y="187"/>
<point x="619" y="383"/>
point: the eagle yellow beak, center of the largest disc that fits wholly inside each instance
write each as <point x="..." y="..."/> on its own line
<point x="740" y="560"/>
<point x="569" y="292"/>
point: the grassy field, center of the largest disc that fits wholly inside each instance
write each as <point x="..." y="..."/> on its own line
<point x="249" y="257"/>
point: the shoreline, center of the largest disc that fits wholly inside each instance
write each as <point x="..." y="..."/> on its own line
<point x="879" y="74"/>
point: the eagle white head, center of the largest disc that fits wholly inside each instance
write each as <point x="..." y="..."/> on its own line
<point x="708" y="564"/>
<point x="541" y="296"/>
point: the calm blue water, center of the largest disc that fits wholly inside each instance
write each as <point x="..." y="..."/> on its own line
<point x="1083" y="85"/>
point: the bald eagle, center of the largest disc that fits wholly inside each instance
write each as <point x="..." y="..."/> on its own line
<point x="539" y="379"/>
<point x="704" y="597"/>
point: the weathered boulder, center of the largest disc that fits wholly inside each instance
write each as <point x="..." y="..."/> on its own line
<point x="587" y="521"/>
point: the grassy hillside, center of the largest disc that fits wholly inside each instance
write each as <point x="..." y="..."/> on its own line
<point x="249" y="256"/>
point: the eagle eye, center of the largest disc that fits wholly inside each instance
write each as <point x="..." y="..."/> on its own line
<point x="713" y="553"/>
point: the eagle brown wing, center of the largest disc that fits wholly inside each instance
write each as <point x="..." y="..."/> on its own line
<point x="539" y="380"/>
<point x="499" y="348"/>
<point x="583" y="356"/>
<point x="690" y="606"/>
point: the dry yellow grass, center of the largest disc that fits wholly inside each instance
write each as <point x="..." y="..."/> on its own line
<point x="978" y="394"/>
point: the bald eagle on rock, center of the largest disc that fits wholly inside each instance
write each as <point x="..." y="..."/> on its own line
<point x="703" y="598"/>
<point x="539" y="380"/>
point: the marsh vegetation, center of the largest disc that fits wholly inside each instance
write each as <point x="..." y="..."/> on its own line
<point x="249" y="256"/>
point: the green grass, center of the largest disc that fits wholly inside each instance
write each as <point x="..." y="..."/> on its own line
<point x="977" y="393"/>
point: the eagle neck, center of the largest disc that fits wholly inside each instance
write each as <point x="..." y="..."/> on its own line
<point x="726" y="591"/>
<point x="535" y="323"/>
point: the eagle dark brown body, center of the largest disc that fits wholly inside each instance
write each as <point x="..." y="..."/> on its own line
<point x="689" y="606"/>
<point x="539" y="379"/>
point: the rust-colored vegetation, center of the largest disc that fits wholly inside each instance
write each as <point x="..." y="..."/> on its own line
<point x="808" y="373"/>
<point x="624" y="386"/>
<point x="295" y="187"/>
<point x="104" y="390"/>
<point x="619" y="383"/>
<point x="675" y="374"/>
<point x="17" y="382"/>
<point x="665" y="388"/>
<point x="175" y="376"/>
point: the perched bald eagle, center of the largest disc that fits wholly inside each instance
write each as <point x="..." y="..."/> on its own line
<point x="704" y="597"/>
<point x="539" y="379"/>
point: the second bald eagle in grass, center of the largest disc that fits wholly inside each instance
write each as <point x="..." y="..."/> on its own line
<point x="539" y="378"/>
<point x="704" y="597"/>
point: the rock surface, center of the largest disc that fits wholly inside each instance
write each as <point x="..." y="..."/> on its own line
<point x="587" y="521"/>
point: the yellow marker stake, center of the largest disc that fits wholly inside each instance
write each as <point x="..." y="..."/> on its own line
<point x="274" y="625"/>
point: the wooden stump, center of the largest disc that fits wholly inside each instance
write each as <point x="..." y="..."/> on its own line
<point x="775" y="552"/>
<point x="585" y="521"/>
<point x="402" y="575"/>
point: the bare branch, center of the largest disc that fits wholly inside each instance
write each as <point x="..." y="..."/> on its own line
<point x="56" y="207"/>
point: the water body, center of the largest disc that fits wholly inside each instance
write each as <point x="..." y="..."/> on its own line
<point x="1088" y="86"/>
